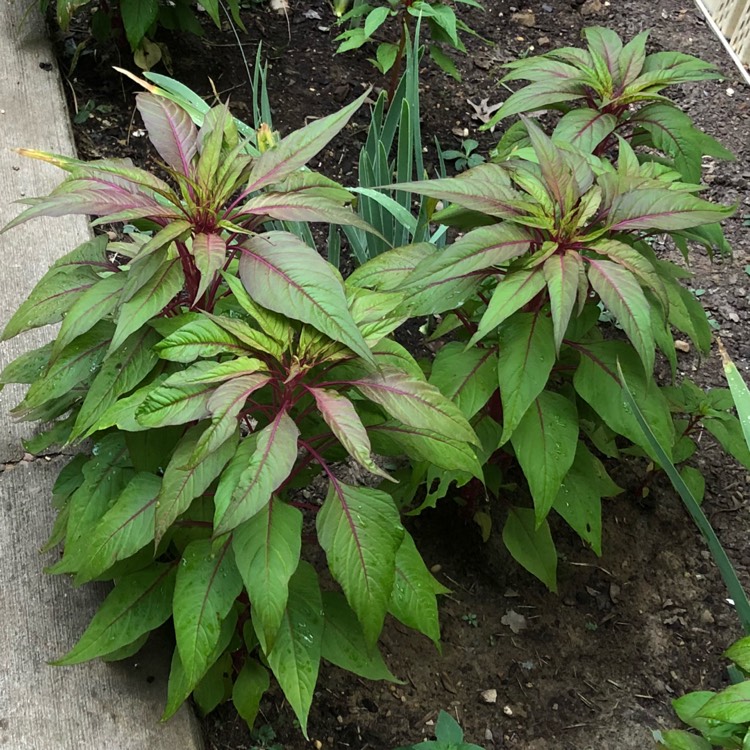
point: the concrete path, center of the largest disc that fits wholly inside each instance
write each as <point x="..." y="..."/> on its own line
<point x="94" y="706"/>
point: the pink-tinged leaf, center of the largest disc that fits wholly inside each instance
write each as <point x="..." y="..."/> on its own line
<point x="584" y="128"/>
<point x="666" y="210"/>
<point x="299" y="147"/>
<point x="341" y="416"/>
<point x="225" y="405"/>
<point x="283" y="274"/>
<point x="685" y="67"/>
<point x="511" y="294"/>
<point x="388" y="270"/>
<point x="302" y="207"/>
<point x="476" y="251"/>
<point x="629" y="257"/>
<point x="94" y="197"/>
<point x="606" y="45"/>
<point x="416" y="403"/>
<point x="360" y="530"/>
<point x="170" y="129"/>
<point x="122" y="168"/>
<point x="538" y="96"/>
<point x="269" y="465"/>
<point x="486" y="188"/>
<point x="210" y="253"/>
<point x="622" y="295"/>
<point x="541" y="69"/>
<point x="632" y="59"/>
<point x="559" y="179"/>
<point x="561" y="272"/>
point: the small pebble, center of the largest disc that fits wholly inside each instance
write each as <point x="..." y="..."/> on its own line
<point x="489" y="696"/>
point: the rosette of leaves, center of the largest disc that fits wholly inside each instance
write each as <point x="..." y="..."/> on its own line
<point x="718" y="719"/>
<point x="216" y="371"/>
<point x="554" y="239"/>
<point x="368" y="22"/>
<point x="612" y="89"/>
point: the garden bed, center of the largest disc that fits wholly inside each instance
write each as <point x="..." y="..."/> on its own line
<point x="596" y="665"/>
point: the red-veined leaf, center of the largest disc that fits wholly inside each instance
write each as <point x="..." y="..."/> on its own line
<point x="296" y="149"/>
<point x="584" y="128"/>
<point x="210" y="252"/>
<point x="207" y="585"/>
<point x="388" y="270"/>
<point x="561" y="273"/>
<point x="285" y="275"/>
<point x="360" y="530"/>
<point x="416" y="403"/>
<point x="170" y="129"/>
<point x="270" y="464"/>
<point x="341" y="416"/>
<point x="622" y="295"/>
<point x="267" y="549"/>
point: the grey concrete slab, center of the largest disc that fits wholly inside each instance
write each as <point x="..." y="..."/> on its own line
<point x="94" y="706"/>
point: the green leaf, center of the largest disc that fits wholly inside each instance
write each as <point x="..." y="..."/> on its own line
<point x="167" y="405"/>
<point x="597" y="383"/>
<point x="622" y="295"/>
<point x="695" y="482"/>
<point x="215" y="685"/>
<point x="57" y="291"/>
<point x="396" y="438"/>
<point x="511" y="294"/>
<point x="416" y="403"/>
<point x="139" y="603"/>
<point x="295" y="657"/>
<point x="531" y="545"/>
<point x="739" y="390"/>
<point x="121" y="372"/>
<point x="225" y="405"/>
<point x="125" y="528"/>
<point x="579" y="498"/>
<point x="182" y="483"/>
<point x="266" y="550"/>
<point x="386" y="54"/>
<point x="732" y="704"/>
<point x="545" y="444"/>
<point x="240" y="498"/>
<point x="667" y="210"/>
<point x="249" y="687"/>
<point x="285" y="275"/>
<point x="344" y="642"/>
<point x="444" y="62"/>
<point x="413" y="598"/>
<point x="201" y="337"/>
<point x="729" y="433"/>
<point x="375" y="19"/>
<point x="96" y="303"/>
<point x="562" y="275"/>
<point x="528" y="348"/>
<point x="360" y="530"/>
<point x="466" y="376"/>
<point x="739" y="653"/>
<point x="341" y="416"/>
<point x="388" y="270"/>
<point x="584" y="128"/>
<point x="28" y="367"/>
<point x="148" y="301"/>
<point x="210" y="252"/>
<point x="137" y="18"/>
<point x="679" y="739"/>
<point x="207" y="585"/>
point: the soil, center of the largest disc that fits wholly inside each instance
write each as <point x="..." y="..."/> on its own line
<point x="598" y="663"/>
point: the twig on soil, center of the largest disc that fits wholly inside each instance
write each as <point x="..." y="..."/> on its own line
<point x="590" y="565"/>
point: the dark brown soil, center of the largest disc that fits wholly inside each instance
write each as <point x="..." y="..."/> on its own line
<point x="597" y="665"/>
